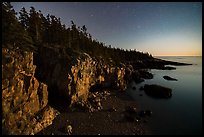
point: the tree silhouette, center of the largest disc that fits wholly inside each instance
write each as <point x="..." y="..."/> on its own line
<point x="49" y="30"/>
<point x="13" y="32"/>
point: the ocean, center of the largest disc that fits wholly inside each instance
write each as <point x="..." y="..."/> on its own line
<point x="182" y="113"/>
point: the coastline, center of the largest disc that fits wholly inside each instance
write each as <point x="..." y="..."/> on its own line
<point x="187" y="91"/>
<point x="103" y="122"/>
<point x="100" y="121"/>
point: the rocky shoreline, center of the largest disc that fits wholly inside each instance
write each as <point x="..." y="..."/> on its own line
<point x="118" y="115"/>
<point x="62" y="85"/>
<point x="57" y="79"/>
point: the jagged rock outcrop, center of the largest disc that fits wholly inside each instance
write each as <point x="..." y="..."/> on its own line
<point x="29" y="82"/>
<point x="24" y="98"/>
<point x="71" y="75"/>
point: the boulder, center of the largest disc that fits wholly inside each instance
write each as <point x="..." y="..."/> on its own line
<point x="169" y="78"/>
<point x="69" y="129"/>
<point x="157" y="91"/>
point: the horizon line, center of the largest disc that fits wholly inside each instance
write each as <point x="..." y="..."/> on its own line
<point x="177" y="55"/>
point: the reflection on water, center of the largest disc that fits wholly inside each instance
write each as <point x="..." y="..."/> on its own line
<point x="182" y="113"/>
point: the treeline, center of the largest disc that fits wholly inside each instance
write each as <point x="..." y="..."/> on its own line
<point x="33" y="29"/>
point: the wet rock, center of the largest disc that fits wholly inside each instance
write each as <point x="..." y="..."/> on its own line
<point x="157" y="91"/>
<point x="169" y="78"/>
<point x="136" y="77"/>
<point x="145" y="74"/>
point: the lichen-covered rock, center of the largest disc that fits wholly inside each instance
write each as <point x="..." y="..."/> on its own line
<point x="23" y="96"/>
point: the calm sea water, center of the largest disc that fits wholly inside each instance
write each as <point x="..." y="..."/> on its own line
<point x="182" y="113"/>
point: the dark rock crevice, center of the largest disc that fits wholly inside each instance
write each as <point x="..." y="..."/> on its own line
<point x="47" y="62"/>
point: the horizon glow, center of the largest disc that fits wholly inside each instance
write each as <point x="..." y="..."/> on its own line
<point x="159" y="28"/>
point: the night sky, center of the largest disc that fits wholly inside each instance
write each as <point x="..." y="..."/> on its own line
<point x="168" y="28"/>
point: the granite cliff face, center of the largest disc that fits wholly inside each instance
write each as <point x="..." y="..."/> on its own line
<point x="58" y="74"/>
<point x="24" y="98"/>
<point x="72" y="75"/>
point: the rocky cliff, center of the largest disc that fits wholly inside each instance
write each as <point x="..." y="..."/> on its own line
<point x="58" y="74"/>
<point x="71" y="75"/>
<point x="25" y="107"/>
